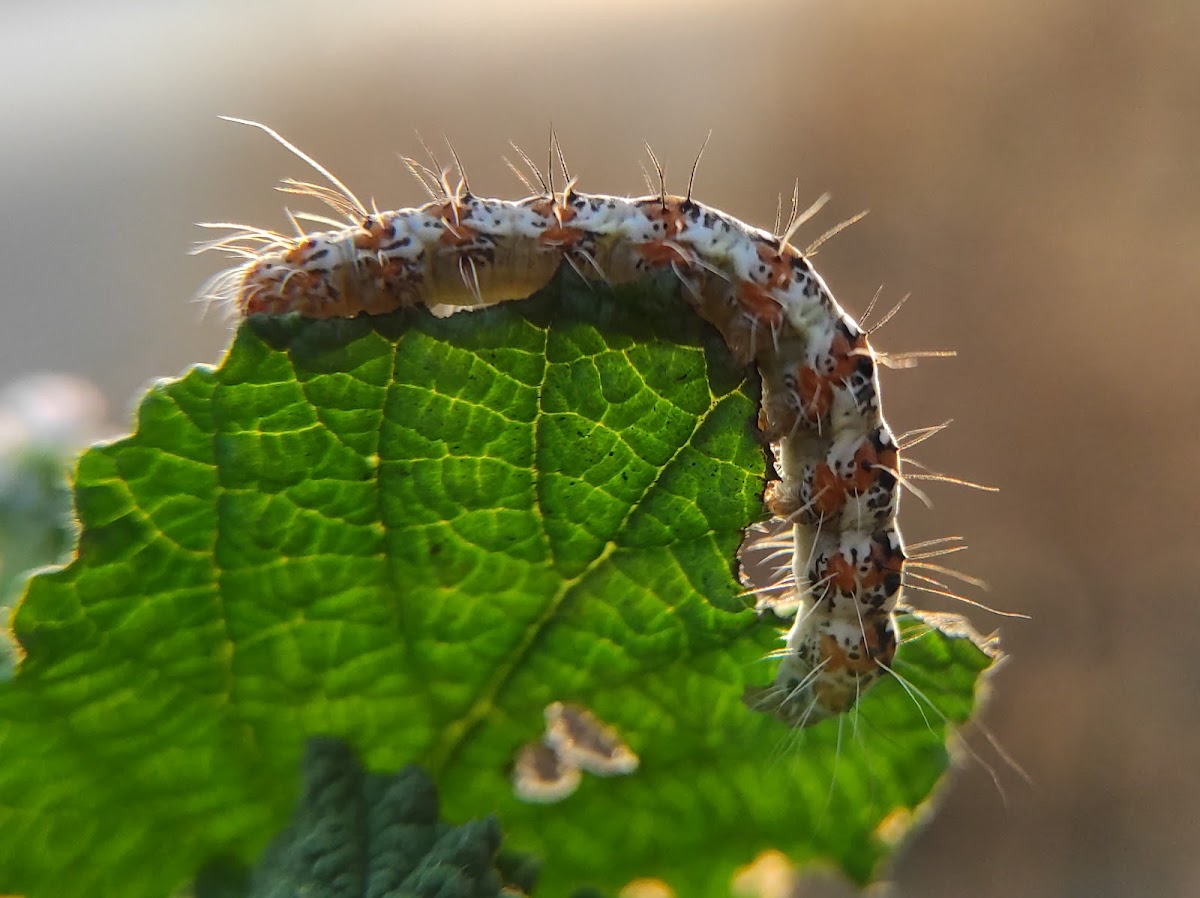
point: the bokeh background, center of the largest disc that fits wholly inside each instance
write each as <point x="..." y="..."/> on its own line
<point x="1033" y="171"/>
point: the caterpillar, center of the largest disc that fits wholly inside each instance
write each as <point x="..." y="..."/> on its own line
<point x="837" y="462"/>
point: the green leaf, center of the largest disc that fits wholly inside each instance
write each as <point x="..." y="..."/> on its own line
<point x="414" y="533"/>
<point x="362" y="835"/>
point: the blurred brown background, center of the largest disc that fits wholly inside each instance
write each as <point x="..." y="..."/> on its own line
<point x="1033" y="171"/>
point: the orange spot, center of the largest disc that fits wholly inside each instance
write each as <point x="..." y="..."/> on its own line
<point x="559" y="236"/>
<point x="297" y="254"/>
<point x="868" y="463"/>
<point x="454" y="233"/>
<point x="758" y="302"/>
<point x="884" y="561"/>
<point x="832" y="654"/>
<point x="827" y="491"/>
<point x="457" y="234"/>
<point x="815" y="393"/>
<point x="780" y="269"/>
<point x="661" y="255"/>
<point x="836" y="658"/>
<point x="372" y="236"/>
<point x="547" y="207"/>
<point x="841" y="574"/>
<point x="670" y="213"/>
<point x="862" y="472"/>
<point x="846" y="354"/>
<point x="385" y="272"/>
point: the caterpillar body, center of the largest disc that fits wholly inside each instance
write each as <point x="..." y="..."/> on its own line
<point x="836" y="459"/>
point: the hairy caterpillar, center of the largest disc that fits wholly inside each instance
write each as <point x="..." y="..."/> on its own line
<point x="837" y="461"/>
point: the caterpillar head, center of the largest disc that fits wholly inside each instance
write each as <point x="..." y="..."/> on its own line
<point x="830" y="662"/>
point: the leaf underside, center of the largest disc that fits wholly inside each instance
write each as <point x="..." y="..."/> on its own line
<point x="414" y="533"/>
